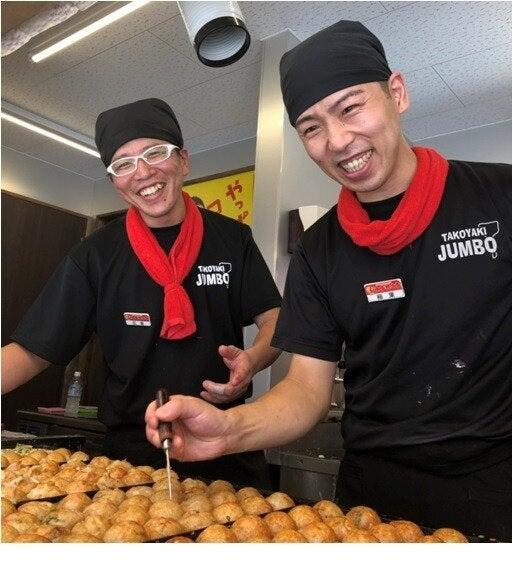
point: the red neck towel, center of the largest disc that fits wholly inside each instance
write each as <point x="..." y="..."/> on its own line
<point x="411" y="217"/>
<point x="170" y="270"/>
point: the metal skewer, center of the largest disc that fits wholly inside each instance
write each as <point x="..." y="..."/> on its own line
<point x="165" y="437"/>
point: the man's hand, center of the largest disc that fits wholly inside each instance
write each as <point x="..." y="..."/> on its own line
<point x="199" y="430"/>
<point x="241" y="368"/>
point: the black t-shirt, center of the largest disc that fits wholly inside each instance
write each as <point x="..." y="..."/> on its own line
<point x="428" y="375"/>
<point x="102" y="287"/>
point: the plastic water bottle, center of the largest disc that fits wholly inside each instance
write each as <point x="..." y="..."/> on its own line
<point x="74" y="395"/>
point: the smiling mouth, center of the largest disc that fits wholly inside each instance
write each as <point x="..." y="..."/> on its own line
<point x="148" y="191"/>
<point x="356" y="164"/>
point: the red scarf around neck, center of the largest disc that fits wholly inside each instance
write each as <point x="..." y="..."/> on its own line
<point x="170" y="270"/>
<point x="411" y="217"/>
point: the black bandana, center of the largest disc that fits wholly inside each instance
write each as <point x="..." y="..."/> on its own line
<point x="342" y="55"/>
<point x="149" y="118"/>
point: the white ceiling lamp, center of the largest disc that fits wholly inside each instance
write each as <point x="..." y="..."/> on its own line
<point x="87" y="30"/>
<point x="49" y="134"/>
<point x="217" y="31"/>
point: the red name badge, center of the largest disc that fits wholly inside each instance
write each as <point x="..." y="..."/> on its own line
<point x="384" y="290"/>
<point x="137" y="319"/>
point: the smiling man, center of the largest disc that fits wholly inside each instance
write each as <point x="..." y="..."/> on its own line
<point x="144" y="285"/>
<point x="410" y="271"/>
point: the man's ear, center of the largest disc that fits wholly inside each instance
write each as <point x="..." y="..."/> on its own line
<point x="184" y="156"/>
<point x="398" y="91"/>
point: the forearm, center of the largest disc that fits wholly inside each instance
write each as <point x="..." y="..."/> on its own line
<point x="19" y="366"/>
<point x="285" y="413"/>
<point x="261" y="353"/>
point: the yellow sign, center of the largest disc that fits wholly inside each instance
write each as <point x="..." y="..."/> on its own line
<point x="231" y="196"/>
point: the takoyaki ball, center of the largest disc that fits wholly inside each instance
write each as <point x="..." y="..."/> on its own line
<point x="406" y="531"/>
<point x="280" y="501"/>
<point x="328" y="509"/>
<point x="318" y="532"/>
<point x="385" y="533"/>
<point x="118" y="473"/>
<point x="198" y="521"/>
<point x="223" y="497"/>
<point x="166" y="509"/>
<point x="363" y="517"/>
<point x="25" y="486"/>
<point x="94" y="525"/>
<point x="135" y="476"/>
<point x="247" y="492"/>
<point x="180" y="540"/>
<point x="79" y="539"/>
<point x="449" y="535"/>
<point x="106" y="483"/>
<point x="38" y="509"/>
<point x="279" y="521"/>
<point x="57" y="456"/>
<point x="288" y="536"/>
<point x="216" y="533"/>
<point x="176" y="489"/>
<point x="46" y="490"/>
<point x="141" y="491"/>
<point x="13" y="494"/>
<point x="9" y="533"/>
<point x="5" y="461"/>
<point x="132" y="514"/>
<point x="76" y="502"/>
<point x="114" y="495"/>
<point x="220" y="486"/>
<point x="304" y="515"/>
<point x="87" y="477"/>
<point x="78" y="457"/>
<point x="227" y="513"/>
<point x="104" y="508"/>
<point x="52" y="533"/>
<point x="196" y="503"/>
<point x="65" y="452"/>
<point x="38" y="454"/>
<point x="63" y="518"/>
<point x="125" y="464"/>
<point x="161" y="474"/>
<point x="256" y="505"/>
<point x="7" y="507"/>
<point x="158" y="528"/>
<point x="359" y="536"/>
<point x="100" y="462"/>
<point x="79" y="486"/>
<point x="192" y="486"/>
<point x="138" y="500"/>
<point x="50" y="467"/>
<point x="160" y="495"/>
<point x="429" y="539"/>
<point x="12" y="457"/>
<point x="341" y="526"/>
<point x="21" y="521"/>
<point x="125" y="532"/>
<point x="249" y="528"/>
<point x="34" y="538"/>
<point x="146" y="469"/>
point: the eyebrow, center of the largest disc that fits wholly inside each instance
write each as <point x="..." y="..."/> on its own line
<point x="336" y="104"/>
<point x="142" y="151"/>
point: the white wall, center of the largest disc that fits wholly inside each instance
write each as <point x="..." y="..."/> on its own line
<point x="487" y="143"/>
<point x="30" y="177"/>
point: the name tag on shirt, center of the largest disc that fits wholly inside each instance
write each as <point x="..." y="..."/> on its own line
<point x="384" y="290"/>
<point x="137" y="319"/>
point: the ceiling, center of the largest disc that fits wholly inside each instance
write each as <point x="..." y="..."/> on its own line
<point x="456" y="57"/>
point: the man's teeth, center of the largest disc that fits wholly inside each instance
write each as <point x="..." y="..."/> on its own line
<point x="151" y="190"/>
<point x="357" y="164"/>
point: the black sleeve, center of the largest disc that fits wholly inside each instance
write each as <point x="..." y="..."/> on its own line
<point x="258" y="289"/>
<point x="306" y="324"/>
<point x="62" y="318"/>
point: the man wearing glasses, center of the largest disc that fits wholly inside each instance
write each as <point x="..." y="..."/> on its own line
<point x="167" y="289"/>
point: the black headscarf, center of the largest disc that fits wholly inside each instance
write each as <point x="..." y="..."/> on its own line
<point x="342" y="55"/>
<point x="148" y="118"/>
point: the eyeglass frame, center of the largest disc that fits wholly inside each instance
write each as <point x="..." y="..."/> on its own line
<point x="170" y="148"/>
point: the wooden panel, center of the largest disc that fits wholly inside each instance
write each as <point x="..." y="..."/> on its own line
<point x="35" y="238"/>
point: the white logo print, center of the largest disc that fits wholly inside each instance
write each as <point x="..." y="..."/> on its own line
<point x="477" y="240"/>
<point x="214" y="274"/>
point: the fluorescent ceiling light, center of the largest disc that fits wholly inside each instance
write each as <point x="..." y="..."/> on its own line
<point x="76" y="36"/>
<point x="49" y="134"/>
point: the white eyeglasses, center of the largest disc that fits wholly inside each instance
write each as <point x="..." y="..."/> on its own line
<point x="152" y="156"/>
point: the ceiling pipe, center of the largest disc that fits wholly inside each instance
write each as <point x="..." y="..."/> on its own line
<point x="62" y="11"/>
<point x="216" y="30"/>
